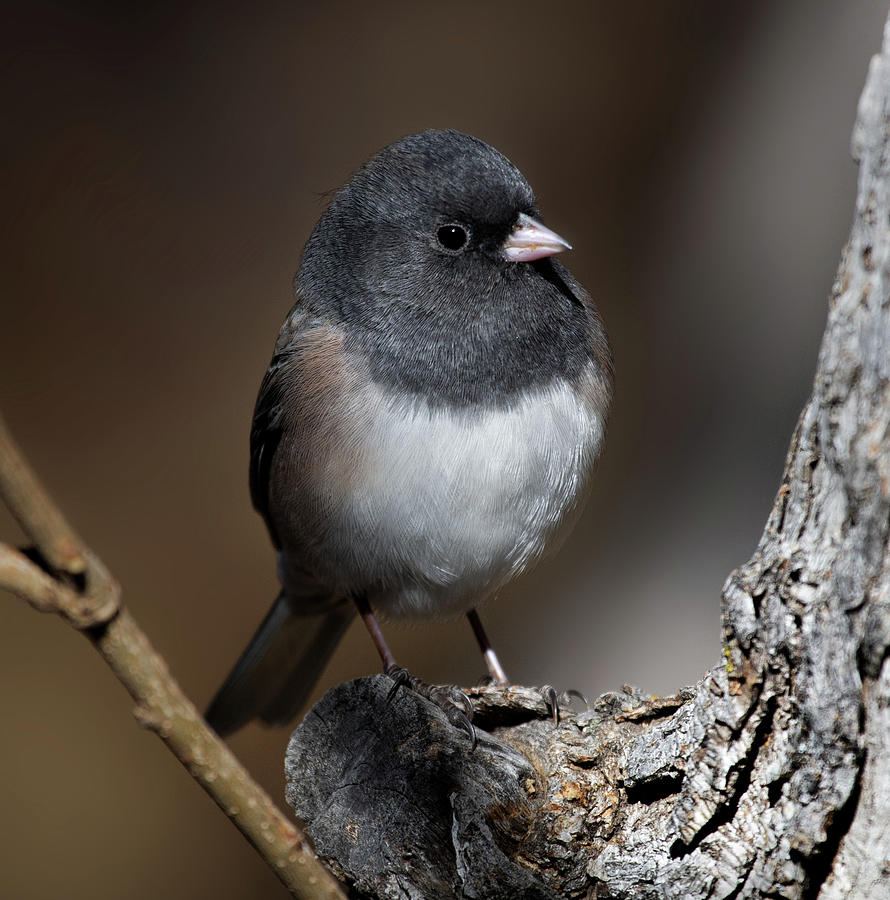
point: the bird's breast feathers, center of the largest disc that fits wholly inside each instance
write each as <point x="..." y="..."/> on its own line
<point x="430" y="508"/>
<point x="474" y="496"/>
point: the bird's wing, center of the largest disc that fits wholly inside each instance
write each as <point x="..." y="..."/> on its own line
<point x="269" y="415"/>
<point x="265" y="436"/>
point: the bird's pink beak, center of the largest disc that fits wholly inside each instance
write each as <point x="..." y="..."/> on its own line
<point x="531" y="240"/>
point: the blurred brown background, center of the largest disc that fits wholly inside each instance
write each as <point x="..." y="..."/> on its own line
<point x="162" y="166"/>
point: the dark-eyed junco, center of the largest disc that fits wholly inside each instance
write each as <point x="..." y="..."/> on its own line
<point x="430" y="417"/>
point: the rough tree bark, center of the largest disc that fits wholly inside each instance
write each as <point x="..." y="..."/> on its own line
<point x="770" y="778"/>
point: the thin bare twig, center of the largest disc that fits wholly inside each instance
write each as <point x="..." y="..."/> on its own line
<point x="37" y="515"/>
<point x="20" y="576"/>
<point x="94" y="595"/>
<point x="81" y="590"/>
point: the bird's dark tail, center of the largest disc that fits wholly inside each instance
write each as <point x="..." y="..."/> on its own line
<point x="280" y="666"/>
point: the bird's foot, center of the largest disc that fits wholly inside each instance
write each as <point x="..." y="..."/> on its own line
<point x="552" y="699"/>
<point x="451" y="700"/>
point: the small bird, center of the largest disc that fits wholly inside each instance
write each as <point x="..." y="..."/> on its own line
<point x="428" y="424"/>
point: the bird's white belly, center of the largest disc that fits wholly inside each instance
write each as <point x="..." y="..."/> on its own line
<point x="451" y="504"/>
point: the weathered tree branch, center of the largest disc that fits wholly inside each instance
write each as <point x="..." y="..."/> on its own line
<point x="771" y="778"/>
<point x="61" y="575"/>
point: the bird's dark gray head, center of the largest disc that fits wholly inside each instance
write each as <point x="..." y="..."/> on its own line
<point x="435" y="200"/>
<point x="427" y="248"/>
<point x="444" y="178"/>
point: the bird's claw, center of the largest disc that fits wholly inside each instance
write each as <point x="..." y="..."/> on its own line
<point x="548" y="692"/>
<point x="551" y="699"/>
<point x="457" y="708"/>
<point x="401" y="677"/>
<point x="571" y="692"/>
<point x="453" y="702"/>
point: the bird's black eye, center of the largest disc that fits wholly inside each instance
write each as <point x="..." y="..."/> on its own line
<point x="451" y="237"/>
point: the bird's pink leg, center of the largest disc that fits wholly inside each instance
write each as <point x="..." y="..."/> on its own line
<point x="495" y="669"/>
<point x="364" y="608"/>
